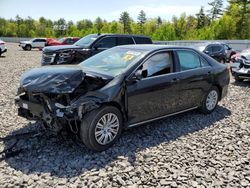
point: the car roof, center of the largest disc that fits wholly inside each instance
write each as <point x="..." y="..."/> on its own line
<point x="152" y="47"/>
<point x="122" y="35"/>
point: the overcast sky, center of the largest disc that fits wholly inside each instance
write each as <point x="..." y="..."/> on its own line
<point x="90" y="9"/>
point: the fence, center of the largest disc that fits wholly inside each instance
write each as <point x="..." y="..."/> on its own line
<point x="235" y="44"/>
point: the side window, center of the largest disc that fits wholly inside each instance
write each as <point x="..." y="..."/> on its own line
<point x="69" y="41"/>
<point x="209" y="49"/>
<point x="124" y="40"/>
<point x="217" y="48"/>
<point x="188" y="60"/>
<point x="107" y="42"/>
<point x="142" y="40"/>
<point x="158" y="64"/>
<point x="36" y="40"/>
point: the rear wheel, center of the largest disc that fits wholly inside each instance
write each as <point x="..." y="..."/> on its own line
<point x="238" y="79"/>
<point x="210" y="101"/>
<point x="101" y="128"/>
<point x="222" y="61"/>
<point x="28" y="47"/>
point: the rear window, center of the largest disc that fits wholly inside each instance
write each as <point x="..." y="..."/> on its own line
<point x="217" y="48"/>
<point x="124" y="40"/>
<point x="142" y="40"/>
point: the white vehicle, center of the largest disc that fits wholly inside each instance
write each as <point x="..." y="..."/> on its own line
<point x="3" y="47"/>
<point x="33" y="43"/>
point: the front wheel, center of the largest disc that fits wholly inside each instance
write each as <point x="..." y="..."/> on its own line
<point x="238" y="79"/>
<point x="28" y="47"/>
<point x="210" y="101"/>
<point x="101" y="128"/>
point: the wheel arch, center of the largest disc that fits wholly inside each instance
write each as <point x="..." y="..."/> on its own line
<point x="118" y="106"/>
<point x="219" y="88"/>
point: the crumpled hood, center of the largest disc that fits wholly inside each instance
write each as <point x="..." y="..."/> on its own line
<point x="52" y="79"/>
<point x="50" y="49"/>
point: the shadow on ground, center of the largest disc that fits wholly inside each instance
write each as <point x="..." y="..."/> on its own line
<point x="64" y="158"/>
<point x="245" y="83"/>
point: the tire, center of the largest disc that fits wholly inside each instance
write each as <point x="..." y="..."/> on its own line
<point x="94" y="136"/>
<point x="222" y="61"/>
<point x="237" y="79"/>
<point x="28" y="47"/>
<point x="213" y="96"/>
<point x="0" y="52"/>
<point x="24" y="48"/>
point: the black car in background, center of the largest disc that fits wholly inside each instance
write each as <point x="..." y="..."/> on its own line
<point x="88" y="46"/>
<point x="120" y="88"/>
<point x="219" y="51"/>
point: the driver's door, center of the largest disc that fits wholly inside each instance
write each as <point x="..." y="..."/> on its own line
<point x="155" y="94"/>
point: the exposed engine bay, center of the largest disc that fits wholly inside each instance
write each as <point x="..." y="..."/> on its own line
<point x="58" y="100"/>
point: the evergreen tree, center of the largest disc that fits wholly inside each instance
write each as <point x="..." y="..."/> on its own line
<point x="216" y="9"/>
<point x="98" y="24"/>
<point x="244" y="22"/>
<point x="125" y="20"/>
<point x="141" y="20"/>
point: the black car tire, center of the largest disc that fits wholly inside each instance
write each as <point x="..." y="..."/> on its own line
<point x="223" y="61"/>
<point x="238" y="79"/>
<point x="24" y="48"/>
<point x="0" y="52"/>
<point x="28" y="47"/>
<point x="204" y="107"/>
<point x="88" y="129"/>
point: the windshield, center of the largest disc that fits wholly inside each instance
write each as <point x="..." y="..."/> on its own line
<point x="61" y="40"/>
<point x="199" y="47"/>
<point x="87" y="40"/>
<point x="113" y="61"/>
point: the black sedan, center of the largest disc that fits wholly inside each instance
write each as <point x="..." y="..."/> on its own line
<point x="120" y="88"/>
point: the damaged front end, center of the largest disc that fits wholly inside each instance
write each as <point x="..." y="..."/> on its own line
<point x="59" y="97"/>
<point x="241" y="68"/>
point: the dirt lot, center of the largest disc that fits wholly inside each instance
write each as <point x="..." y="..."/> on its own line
<point x="188" y="150"/>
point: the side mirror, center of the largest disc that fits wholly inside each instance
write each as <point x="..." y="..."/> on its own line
<point x="136" y="76"/>
<point x="97" y="46"/>
<point x="206" y="52"/>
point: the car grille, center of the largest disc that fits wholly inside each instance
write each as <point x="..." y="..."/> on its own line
<point x="48" y="59"/>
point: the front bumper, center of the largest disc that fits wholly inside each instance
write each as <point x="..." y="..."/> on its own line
<point x="241" y="72"/>
<point x="48" y="59"/>
<point x="4" y="51"/>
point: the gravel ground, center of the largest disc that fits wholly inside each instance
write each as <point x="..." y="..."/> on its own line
<point x="187" y="150"/>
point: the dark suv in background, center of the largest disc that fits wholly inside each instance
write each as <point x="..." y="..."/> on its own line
<point x="87" y="47"/>
<point x="219" y="51"/>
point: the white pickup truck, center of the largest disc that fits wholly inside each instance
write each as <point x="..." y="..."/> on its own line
<point x="33" y="43"/>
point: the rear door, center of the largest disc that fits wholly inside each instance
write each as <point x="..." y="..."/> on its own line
<point x="156" y="93"/>
<point x="195" y="78"/>
<point x="39" y="43"/>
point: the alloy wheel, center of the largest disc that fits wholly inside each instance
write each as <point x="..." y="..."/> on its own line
<point x="212" y="99"/>
<point x="107" y="128"/>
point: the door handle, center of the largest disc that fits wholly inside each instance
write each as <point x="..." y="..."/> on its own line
<point x="174" y="80"/>
<point x="209" y="72"/>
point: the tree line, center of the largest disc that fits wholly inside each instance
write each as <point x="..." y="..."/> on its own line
<point x="232" y="22"/>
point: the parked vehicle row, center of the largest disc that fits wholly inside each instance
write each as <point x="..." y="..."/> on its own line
<point x="3" y="47"/>
<point x="87" y="47"/>
<point x="219" y="51"/>
<point x="42" y="42"/>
